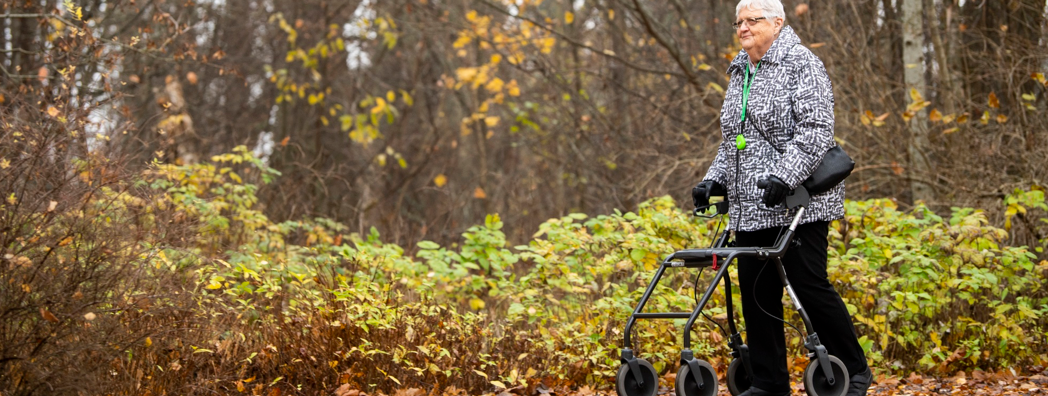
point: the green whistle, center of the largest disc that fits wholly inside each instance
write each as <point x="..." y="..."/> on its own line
<point x="740" y="142"/>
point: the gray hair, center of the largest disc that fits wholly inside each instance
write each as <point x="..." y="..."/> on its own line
<point x="770" y="8"/>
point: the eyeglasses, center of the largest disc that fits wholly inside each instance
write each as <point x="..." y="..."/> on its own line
<point x="749" y="22"/>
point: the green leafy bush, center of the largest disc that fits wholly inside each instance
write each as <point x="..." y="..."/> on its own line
<point x="935" y="293"/>
<point x="926" y="292"/>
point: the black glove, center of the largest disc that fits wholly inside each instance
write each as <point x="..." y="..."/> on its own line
<point x="774" y="191"/>
<point x="700" y="195"/>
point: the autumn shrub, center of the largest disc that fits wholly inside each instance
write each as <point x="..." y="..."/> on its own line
<point x="76" y="252"/>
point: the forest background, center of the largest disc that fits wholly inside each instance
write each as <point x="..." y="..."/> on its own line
<point x="239" y="178"/>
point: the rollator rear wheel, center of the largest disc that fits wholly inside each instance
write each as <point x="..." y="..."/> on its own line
<point x="686" y="385"/>
<point x="815" y="380"/>
<point x="738" y="378"/>
<point x="626" y="383"/>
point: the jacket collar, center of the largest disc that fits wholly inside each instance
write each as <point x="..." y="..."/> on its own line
<point x="778" y="50"/>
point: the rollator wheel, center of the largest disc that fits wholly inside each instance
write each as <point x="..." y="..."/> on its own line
<point x="686" y="385"/>
<point x="738" y="378"/>
<point x="815" y="380"/>
<point x="626" y="382"/>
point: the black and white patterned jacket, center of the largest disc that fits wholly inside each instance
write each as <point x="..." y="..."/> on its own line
<point x="789" y="128"/>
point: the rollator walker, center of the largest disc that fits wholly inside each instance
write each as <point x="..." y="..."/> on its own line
<point x="825" y="374"/>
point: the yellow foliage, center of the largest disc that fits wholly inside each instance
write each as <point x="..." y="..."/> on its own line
<point x="380" y="106"/>
<point x="546" y="45"/>
<point x="495" y="85"/>
<point x="935" y="115"/>
<point x="462" y="40"/>
<point x="512" y="88"/>
<point x="918" y="103"/>
<point x="465" y="74"/>
<point x="516" y="58"/>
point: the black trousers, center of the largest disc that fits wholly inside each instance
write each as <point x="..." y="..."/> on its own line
<point x="805" y="265"/>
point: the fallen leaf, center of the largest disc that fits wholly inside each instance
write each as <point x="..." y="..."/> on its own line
<point x="345" y="390"/>
<point x="890" y="382"/>
<point x="410" y="392"/>
<point x="978" y="375"/>
<point x="479" y="193"/>
<point x="915" y="378"/>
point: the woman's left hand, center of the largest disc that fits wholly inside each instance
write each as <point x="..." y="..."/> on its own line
<point x="775" y="191"/>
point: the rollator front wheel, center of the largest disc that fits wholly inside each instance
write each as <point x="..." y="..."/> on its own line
<point x="686" y="385"/>
<point x="815" y="380"/>
<point x="626" y="383"/>
<point x="738" y="378"/>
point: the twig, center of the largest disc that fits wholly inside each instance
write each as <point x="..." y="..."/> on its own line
<point x="13" y="76"/>
<point x="581" y="45"/>
<point x="17" y="16"/>
<point x="674" y="52"/>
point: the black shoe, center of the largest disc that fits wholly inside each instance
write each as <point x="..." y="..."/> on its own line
<point x="755" y="391"/>
<point x="858" y="383"/>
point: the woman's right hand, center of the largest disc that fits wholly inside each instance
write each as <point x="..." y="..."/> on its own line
<point x="700" y="195"/>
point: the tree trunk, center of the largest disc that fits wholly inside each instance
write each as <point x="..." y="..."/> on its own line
<point x="945" y="93"/>
<point x="913" y="60"/>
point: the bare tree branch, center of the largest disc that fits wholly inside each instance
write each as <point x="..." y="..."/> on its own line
<point x="604" y="53"/>
<point x="673" y="50"/>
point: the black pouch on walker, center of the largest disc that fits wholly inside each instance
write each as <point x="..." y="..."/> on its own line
<point x="836" y="165"/>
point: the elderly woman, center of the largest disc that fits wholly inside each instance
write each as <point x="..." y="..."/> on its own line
<point x="777" y="123"/>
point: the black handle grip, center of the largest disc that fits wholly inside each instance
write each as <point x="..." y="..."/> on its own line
<point x="762" y="184"/>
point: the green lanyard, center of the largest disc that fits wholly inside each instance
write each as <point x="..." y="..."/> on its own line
<point x="740" y="141"/>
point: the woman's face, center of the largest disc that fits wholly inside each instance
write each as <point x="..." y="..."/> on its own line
<point x="759" y="34"/>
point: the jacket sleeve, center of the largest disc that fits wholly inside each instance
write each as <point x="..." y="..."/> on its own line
<point x="812" y="102"/>
<point x="718" y="171"/>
